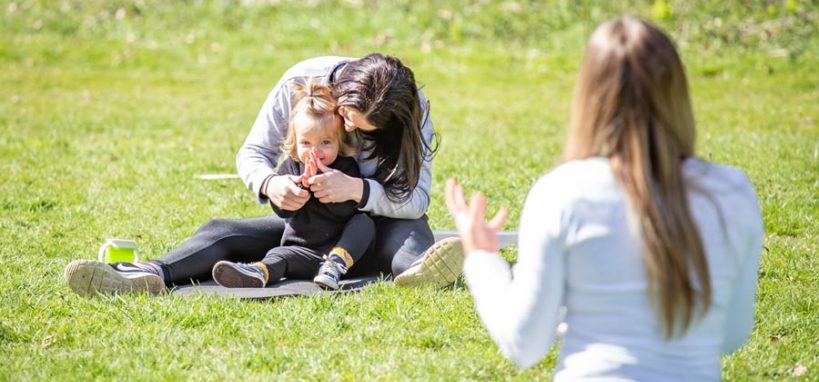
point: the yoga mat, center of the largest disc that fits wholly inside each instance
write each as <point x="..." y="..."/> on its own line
<point x="307" y="287"/>
<point x="505" y="238"/>
<point x="281" y="289"/>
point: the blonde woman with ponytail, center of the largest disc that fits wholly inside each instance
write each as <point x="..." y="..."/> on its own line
<point x="650" y="253"/>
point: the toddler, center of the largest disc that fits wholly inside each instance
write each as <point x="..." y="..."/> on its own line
<point x="328" y="237"/>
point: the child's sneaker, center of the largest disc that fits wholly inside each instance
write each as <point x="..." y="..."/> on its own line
<point x="238" y="275"/>
<point x="439" y="266"/>
<point x="91" y="278"/>
<point x="329" y="274"/>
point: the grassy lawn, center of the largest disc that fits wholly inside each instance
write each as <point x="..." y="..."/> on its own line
<point x="108" y="109"/>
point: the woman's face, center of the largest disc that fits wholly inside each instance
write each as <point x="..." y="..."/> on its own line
<point x="354" y="119"/>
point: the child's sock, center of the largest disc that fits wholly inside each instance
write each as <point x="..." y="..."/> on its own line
<point x="264" y="270"/>
<point x="341" y="257"/>
<point x="148" y="267"/>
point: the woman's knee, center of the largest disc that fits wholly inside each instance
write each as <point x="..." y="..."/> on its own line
<point x="402" y="242"/>
<point x="402" y="261"/>
<point x="364" y="223"/>
<point x="217" y="228"/>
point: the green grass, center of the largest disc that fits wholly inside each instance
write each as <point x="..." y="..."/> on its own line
<point x="109" y="109"/>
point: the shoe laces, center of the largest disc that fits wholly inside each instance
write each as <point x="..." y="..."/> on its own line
<point x="250" y="267"/>
<point x="330" y="263"/>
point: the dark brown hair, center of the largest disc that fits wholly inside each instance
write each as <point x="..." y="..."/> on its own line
<point x="384" y="91"/>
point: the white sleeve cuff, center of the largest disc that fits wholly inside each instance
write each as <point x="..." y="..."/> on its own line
<point x="485" y="271"/>
<point x="256" y="181"/>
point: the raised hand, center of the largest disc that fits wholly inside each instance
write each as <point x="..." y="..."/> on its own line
<point x="470" y="219"/>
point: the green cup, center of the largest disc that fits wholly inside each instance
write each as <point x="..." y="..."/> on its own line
<point x="115" y="250"/>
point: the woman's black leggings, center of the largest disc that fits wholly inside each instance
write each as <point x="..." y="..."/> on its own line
<point x="398" y="244"/>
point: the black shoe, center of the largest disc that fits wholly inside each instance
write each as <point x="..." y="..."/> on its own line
<point x="237" y="275"/>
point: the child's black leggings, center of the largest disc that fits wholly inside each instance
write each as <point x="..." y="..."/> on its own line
<point x="296" y="262"/>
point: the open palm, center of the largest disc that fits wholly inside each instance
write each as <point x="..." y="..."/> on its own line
<point x="470" y="219"/>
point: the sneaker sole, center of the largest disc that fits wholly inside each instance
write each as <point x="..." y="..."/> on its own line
<point x="229" y="277"/>
<point x="90" y="278"/>
<point x="443" y="264"/>
<point x="325" y="282"/>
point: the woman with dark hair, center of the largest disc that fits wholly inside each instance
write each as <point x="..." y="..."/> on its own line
<point x="389" y="116"/>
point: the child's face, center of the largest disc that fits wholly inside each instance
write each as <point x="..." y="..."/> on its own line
<point x="311" y="133"/>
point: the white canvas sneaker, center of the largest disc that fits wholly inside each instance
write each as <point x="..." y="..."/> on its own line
<point x="440" y="266"/>
<point x="91" y="278"/>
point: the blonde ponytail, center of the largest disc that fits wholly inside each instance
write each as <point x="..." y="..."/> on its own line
<point x="313" y="98"/>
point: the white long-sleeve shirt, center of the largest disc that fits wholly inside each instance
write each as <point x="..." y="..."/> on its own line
<point x="579" y="249"/>
<point x="258" y="156"/>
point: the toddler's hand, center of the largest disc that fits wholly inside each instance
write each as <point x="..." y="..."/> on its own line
<point x="310" y="168"/>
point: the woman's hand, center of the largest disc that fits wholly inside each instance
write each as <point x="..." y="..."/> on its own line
<point x="284" y="192"/>
<point x="476" y="233"/>
<point x="333" y="186"/>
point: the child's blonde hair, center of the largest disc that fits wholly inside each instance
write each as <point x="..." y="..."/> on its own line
<point x="316" y="100"/>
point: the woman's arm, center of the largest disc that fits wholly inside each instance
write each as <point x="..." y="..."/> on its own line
<point x="739" y="318"/>
<point x="257" y="157"/>
<point x="520" y="306"/>
<point x="259" y="154"/>
<point x="416" y="206"/>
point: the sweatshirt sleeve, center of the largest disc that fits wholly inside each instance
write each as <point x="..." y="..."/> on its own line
<point x="739" y="320"/>
<point x="520" y="306"/>
<point x="416" y="206"/>
<point x="257" y="157"/>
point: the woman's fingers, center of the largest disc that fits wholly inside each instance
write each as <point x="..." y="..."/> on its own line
<point x="455" y="198"/>
<point x="459" y="197"/>
<point x="297" y="193"/>
<point x="477" y="207"/>
<point x="450" y="196"/>
<point x="323" y="195"/>
<point x="317" y="182"/>
<point x="497" y="221"/>
<point x="293" y="197"/>
<point x="470" y="218"/>
<point x="322" y="186"/>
